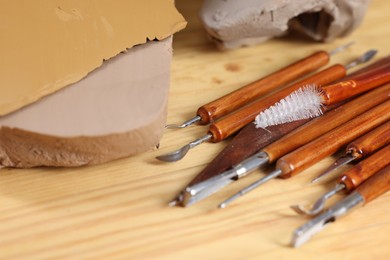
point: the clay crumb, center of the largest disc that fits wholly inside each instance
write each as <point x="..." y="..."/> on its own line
<point x="216" y="80"/>
<point x="232" y="67"/>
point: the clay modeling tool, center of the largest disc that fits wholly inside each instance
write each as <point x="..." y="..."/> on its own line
<point x="230" y="124"/>
<point x="325" y="145"/>
<point x="350" y="179"/>
<point x="238" y="98"/>
<point x="250" y="140"/>
<point x="309" y="101"/>
<point x="360" y="148"/>
<point x="198" y="190"/>
<point x="366" y="192"/>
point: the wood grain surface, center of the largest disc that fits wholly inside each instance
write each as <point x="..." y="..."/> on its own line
<point x="119" y="210"/>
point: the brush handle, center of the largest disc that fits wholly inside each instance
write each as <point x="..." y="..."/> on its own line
<point x="250" y="92"/>
<point x="354" y="176"/>
<point x="376" y="185"/>
<point x="370" y="142"/>
<point x="355" y="85"/>
<point x="326" y="122"/>
<point x="329" y="143"/>
<point x="236" y="120"/>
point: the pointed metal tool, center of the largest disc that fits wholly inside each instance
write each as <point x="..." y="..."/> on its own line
<point x="362" y="59"/>
<point x="184" y="124"/>
<point x="251" y="187"/>
<point x="341" y="48"/>
<point x="343" y="160"/>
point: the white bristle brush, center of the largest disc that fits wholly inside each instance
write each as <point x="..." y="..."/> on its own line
<point x="303" y="103"/>
<point x="309" y="101"/>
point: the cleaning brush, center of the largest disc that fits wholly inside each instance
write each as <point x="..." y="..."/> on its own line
<point x="310" y="101"/>
<point x="303" y="103"/>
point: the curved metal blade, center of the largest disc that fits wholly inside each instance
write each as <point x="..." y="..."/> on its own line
<point x="185" y="124"/>
<point x="319" y="205"/>
<point x="180" y="153"/>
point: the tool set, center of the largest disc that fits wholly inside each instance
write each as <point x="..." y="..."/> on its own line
<point x="286" y="135"/>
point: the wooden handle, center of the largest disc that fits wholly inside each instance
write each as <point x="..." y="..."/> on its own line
<point x="250" y="92"/>
<point x="329" y="143"/>
<point x="376" y="185"/>
<point x="326" y="122"/>
<point x="354" y="176"/>
<point x="361" y="83"/>
<point x="370" y="142"/>
<point x="236" y="120"/>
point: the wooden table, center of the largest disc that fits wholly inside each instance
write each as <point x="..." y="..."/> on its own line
<point x="119" y="209"/>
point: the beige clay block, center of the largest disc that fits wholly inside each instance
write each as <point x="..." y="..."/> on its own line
<point x="49" y="44"/>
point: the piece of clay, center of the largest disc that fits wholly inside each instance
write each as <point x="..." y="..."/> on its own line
<point x="83" y="82"/>
<point x="233" y="24"/>
<point x="117" y="111"/>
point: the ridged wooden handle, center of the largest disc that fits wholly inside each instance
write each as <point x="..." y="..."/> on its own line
<point x="361" y="83"/>
<point x="376" y="185"/>
<point x="235" y="121"/>
<point x="354" y="176"/>
<point x="370" y="142"/>
<point x="329" y="143"/>
<point x="326" y="122"/>
<point x="250" y="92"/>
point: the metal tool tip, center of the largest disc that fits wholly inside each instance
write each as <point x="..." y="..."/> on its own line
<point x="341" y="161"/>
<point x="252" y="186"/>
<point x="180" y="153"/>
<point x="317" y="208"/>
<point x="222" y="205"/>
<point x="296" y="240"/>
<point x="173" y="203"/>
<point x="175" y="155"/>
<point x="370" y="54"/>
<point x="185" y="124"/>
<point x="174" y="126"/>
<point x="316" y="179"/>
<point x="320" y="178"/>
<point x="341" y="48"/>
<point x="191" y="191"/>
<point x="299" y="209"/>
<point x="367" y="56"/>
<point x="228" y="201"/>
